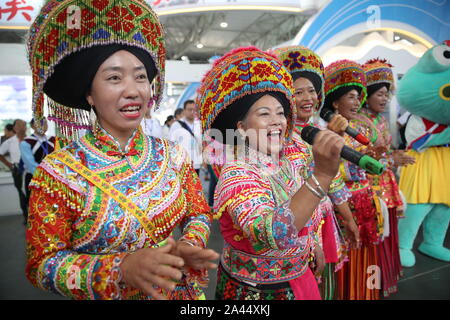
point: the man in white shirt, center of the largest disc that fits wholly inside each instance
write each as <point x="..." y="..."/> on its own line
<point x="12" y="147"/>
<point x="9" y="132"/>
<point x="151" y="126"/>
<point x="188" y="133"/>
<point x="33" y="150"/>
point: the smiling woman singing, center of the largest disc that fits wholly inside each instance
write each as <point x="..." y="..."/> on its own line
<point x="103" y="208"/>
<point x="265" y="200"/>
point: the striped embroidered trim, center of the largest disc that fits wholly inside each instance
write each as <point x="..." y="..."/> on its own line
<point x="263" y="269"/>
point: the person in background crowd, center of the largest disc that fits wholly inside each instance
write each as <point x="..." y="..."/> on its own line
<point x="178" y="114"/>
<point x="9" y="132"/>
<point x="166" y="128"/>
<point x="151" y="126"/>
<point x="12" y="147"/>
<point x="34" y="149"/>
<point x="187" y="132"/>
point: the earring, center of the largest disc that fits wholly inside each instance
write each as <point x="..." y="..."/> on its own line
<point x="93" y="120"/>
<point x="152" y="100"/>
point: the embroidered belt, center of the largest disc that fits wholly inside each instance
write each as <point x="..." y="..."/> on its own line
<point x="259" y="269"/>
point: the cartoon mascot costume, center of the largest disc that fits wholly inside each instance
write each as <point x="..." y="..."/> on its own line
<point x="425" y="92"/>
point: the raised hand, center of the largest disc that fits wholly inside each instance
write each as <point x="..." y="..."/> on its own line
<point x="338" y="124"/>
<point x="327" y="153"/>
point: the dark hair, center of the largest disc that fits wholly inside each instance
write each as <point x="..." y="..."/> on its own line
<point x="169" y="118"/>
<point x="188" y="102"/>
<point x="9" y="127"/>
<point x="335" y="95"/>
<point x="178" y="112"/>
<point x="69" y="84"/>
<point x="314" y="78"/>
<point x="377" y="86"/>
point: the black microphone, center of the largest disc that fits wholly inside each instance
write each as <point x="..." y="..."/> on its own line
<point x="327" y="114"/>
<point x="361" y="160"/>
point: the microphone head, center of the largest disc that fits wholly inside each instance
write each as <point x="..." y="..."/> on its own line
<point x="371" y="165"/>
<point x="326" y="114"/>
<point x="308" y="134"/>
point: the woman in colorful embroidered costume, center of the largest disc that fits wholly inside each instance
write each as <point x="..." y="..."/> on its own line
<point x="345" y="91"/>
<point x="104" y="207"/>
<point x="266" y="206"/>
<point x="307" y="72"/>
<point x="380" y="84"/>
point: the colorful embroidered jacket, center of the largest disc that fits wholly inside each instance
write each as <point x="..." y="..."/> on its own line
<point x="377" y="129"/>
<point x="78" y="234"/>
<point x="262" y="245"/>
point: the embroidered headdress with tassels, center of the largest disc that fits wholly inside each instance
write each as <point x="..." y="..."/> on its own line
<point x="379" y="71"/>
<point x="342" y="73"/>
<point x="303" y="62"/>
<point x="64" y="28"/>
<point x="237" y="75"/>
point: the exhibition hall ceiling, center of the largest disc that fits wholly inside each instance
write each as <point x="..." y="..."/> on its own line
<point x="200" y="36"/>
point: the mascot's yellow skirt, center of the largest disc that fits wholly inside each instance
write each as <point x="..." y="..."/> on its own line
<point x="428" y="180"/>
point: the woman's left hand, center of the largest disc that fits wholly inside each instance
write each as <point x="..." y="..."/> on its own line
<point x="196" y="257"/>
<point x="352" y="233"/>
<point x="319" y="258"/>
<point x="402" y="159"/>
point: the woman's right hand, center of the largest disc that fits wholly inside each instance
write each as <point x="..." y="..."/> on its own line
<point x="151" y="267"/>
<point x="338" y="124"/>
<point x="326" y="149"/>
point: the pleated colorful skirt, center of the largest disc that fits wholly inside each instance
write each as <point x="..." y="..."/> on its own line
<point x="360" y="277"/>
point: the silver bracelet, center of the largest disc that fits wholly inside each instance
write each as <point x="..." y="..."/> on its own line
<point x="187" y="242"/>
<point x="318" y="186"/>
<point x="320" y="193"/>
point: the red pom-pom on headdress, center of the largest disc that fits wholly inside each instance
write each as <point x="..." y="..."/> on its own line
<point x="378" y="60"/>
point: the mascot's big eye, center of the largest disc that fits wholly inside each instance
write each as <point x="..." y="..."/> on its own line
<point x="442" y="55"/>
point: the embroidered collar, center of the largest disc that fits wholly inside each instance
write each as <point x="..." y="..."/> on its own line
<point x="264" y="162"/>
<point x="107" y="144"/>
<point x="299" y="124"/>
<point x="374" y="116"/>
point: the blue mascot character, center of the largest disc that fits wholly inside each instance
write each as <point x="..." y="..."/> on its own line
<point x="425" y="92"/>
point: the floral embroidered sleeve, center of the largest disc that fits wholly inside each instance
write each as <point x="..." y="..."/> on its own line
<point x="248" y="200"/>
<point x="52" y="263"/>
<point x="197" y="221"/>
<point x="338" y="191"/>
